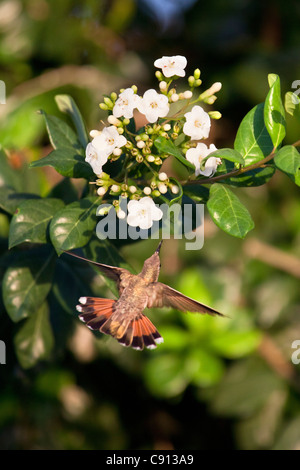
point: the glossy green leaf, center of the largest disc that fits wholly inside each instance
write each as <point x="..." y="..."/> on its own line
<point x="10" y="200"/>
<point x="31" y="220"/>
<point x="67" y="162"/>
<point x="67" y="105"/>
<point x="252" y="138"/>
<point x="27" y="282"/>
<point x="292" y="104"/>
<point x="34" y="341"/>
<point x="74" y="225"/>
<point x="228" y="212"/>
<point x="274" y="114"/>
<point x="197" y="192"/>
<point x="288" y="161"/>
<point x="60" y="133"/>
<point x="64" y="190"/>
<point x="166" y="146"/>
<point x="256" y="177"/>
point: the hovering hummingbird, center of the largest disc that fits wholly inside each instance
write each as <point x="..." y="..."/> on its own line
<point x="123" y="318"/>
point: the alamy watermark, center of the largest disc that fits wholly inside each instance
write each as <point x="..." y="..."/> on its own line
<point x="2" y="352"/>
<point x="178" y="221"/>
<point x="295" y="96"/>
<point x="2" y="92"/>
<point x="296" y="354"/>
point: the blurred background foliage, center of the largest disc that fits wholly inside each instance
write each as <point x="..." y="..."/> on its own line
<point x="214" y="383"/>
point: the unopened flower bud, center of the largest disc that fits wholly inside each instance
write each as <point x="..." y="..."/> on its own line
<point x="191" y="81"/>
<point x="94" y="133"/>
<point x="101" y="191"/>
<point x="150" y="158"/>
<point x="174" y="189"/>
<point x="108" y="102"/>
<point x="162" y="188"/>
<point x="163" y="86"/>
<point x="159" y="75"/>
<point x="132" y="189"/>
<point x="187" y="94"/>
<point x="134" y="87"/>
<point x="114" y="96"/>
<point x="115" y="188"/>
<point x="155" y="193"/>
<point x="147" y="190"/>
<point x="103" y="106"/>
<point x="113" y="120"/>
<point x="140" y="144"/>
<point x="174" y="97"/>
<point x="117" y="152"/>
<point x="121" y="214"/>
<point x="163" y="176"/>
<point x="215" y="114"/>
<point x="167" y="127"/>
<point x="197" y="74"/>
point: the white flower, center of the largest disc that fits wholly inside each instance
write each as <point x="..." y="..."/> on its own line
<point x="171" y="66"/>
<point x="142" y="213"/>
<point x="196" y="155"/>
<point x="197" y="124"/>
<point x="95" y="158"/>
<point x="109" y="140"/>
<point x="153" y="105"/>
<point x="125" y="104"/>
<point x="103" y="145"/>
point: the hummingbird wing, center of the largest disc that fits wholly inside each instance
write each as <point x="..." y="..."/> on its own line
<point x="161" y="295"/>
<point x="120" y="275"/>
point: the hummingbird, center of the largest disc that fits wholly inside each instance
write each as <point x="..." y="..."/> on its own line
<point x="123" y="319"/>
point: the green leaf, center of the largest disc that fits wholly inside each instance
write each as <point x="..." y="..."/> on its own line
<point x="245" y="388"/>
<point x="164" y="375"/>
<point x="64" y="190"/>
<point x="228" y="212"/>
<point x="164" y="145"/>
<point x="27" y="282"/>
<point x="67" y="162"/>
<point x="292" y="104"/>
<point x="203" y="368"/>
<point x="104" y="252"/>
<point x="252" y="138"/>
<point x="234" y="344"/>
<point x="67" y="105"/>
<point x="60" y="133"/>
<point x="34" y="340"/>
<point x="197" y="192"/>
<point x="31" y="220"/>
<point x="288" y="161"/>
<point x="8" y="176"/>
<point x="256" y="177"/>
<point x="274" y="114"/>
<point x="10" y="200"/>
<point x="227" y="154"/>
<point x="73" y="226"/>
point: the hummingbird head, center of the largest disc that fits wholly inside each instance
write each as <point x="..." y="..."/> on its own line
<point x="151" y="268"/>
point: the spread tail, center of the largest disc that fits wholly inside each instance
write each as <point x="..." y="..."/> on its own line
<point x="98" y="315"/>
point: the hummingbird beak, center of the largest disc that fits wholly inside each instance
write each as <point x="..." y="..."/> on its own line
<point x="158" y="248"/>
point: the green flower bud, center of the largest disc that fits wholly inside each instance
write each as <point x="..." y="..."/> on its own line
<point x="114" y="96"/>
<point x="108" y="102"/>
<point x="103" y="106"/>
<point x="197" y="74"/>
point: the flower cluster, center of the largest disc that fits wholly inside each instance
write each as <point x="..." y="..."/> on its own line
<point x="174" y="121"/>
